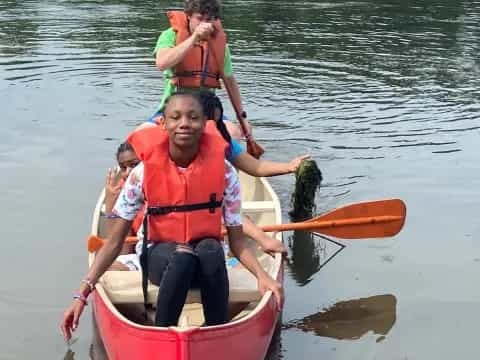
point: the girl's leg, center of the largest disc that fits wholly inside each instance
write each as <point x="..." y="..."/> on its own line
<point x="172" y="268"/>
<point x="213" y="281"/>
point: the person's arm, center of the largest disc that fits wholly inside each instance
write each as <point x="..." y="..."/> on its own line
<point x="110" y="250"/>
<point x="235" y="97"/>
<point x="266" y="242"/>
<point x="237" y="241"/>
<point x="167" y="57"/>
<point x="239" y="246"/>
<point x="254" y="167"/>
<point x="127" y="206"/>
<point x="104" y="258"/>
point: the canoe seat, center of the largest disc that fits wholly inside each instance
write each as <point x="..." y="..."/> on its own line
<point x="125" y="287"/>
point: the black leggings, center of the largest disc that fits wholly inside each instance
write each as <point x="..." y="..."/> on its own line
<point x="176" y="270"/>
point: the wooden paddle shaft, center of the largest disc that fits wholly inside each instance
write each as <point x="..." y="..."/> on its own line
<point x="230" y="95"/>
<point x="312" y="225"/>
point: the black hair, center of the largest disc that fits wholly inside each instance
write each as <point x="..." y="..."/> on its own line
<point x="125" y="146"/>
<point x="210" y="102"/>
<point x="188" y="94"/>
<point x="211" y="8"/>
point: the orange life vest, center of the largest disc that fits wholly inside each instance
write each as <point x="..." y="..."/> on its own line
<point x="200" y="67"/>
<point x="182" y="205"/>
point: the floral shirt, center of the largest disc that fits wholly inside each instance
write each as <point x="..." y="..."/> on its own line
<point x="131" y="198"/>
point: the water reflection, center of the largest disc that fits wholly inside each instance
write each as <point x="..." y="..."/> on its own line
<point x="274" y="351"/>
<point x="345" y="320"/>
<point x="376" y="90"/>
<point x="97" y="349"/>
<point x="305" y="256"/>
<point x="351" y="319"/>
<point x="69" y="355"/>
<point x="309" y="253"/>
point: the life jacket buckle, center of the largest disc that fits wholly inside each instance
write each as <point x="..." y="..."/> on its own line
<point x="213" y="203"/>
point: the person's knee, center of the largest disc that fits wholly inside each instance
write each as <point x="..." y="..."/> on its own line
<point x="176" y="260"/>
<point x="183" y="259"/>
<point x="210" y="255"/>
<point x="208" y="245"/>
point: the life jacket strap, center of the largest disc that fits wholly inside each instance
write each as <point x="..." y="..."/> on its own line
<point x="163" y="210"/>
<point x="195" y="73"/>
<point x="144" y="266"/>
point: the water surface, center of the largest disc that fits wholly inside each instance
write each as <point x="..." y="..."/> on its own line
<point x="384" y="94"/>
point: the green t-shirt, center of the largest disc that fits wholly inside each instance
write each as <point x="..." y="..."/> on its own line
<point x="167" y="39"/>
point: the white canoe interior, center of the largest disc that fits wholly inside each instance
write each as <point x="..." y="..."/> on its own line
<point x="122" y="290"/>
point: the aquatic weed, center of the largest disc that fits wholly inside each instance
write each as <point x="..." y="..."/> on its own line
<point x="307" y="181"/>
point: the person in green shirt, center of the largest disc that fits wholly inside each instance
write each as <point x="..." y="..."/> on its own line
<point x="200" y="14"/>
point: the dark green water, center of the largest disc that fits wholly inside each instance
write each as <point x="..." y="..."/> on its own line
<point x="384" y="94"/>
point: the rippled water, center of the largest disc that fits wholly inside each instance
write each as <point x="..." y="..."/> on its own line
<point x="384" y="94"/>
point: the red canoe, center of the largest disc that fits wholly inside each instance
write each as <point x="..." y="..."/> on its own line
<point x="118" y="303"/>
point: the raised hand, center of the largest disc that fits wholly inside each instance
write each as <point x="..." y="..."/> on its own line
<point x="295" y="163"/>
<point x="203" y="31"/>
<point x="113" y="186"/>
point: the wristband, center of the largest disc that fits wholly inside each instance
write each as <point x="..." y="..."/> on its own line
<point x="110" y="216"/>
<point x="90" y="284"/>
<point x="81" y="297"/>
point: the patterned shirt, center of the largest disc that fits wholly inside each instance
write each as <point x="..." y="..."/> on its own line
<point x="131" y="198"/>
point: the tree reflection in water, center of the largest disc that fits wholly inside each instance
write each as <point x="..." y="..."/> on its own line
<point x="351" y="319"/>
<point x="310" y="252"/>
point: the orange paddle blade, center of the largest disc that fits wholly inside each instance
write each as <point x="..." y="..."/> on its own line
<point x="370" y="219"/>
<point x="94" y="242"/>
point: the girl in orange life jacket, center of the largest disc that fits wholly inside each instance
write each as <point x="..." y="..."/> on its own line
<point x="186" y="153"/>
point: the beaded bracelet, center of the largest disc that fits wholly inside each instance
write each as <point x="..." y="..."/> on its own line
<point x="90" y="284"/>
<point x="81" y="297"/>
<point x="110" y="216"/>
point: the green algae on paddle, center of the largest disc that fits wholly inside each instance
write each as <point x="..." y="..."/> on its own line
<point x="307" y="181"/>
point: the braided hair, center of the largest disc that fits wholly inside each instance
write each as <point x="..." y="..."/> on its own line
<point x="210" y="103"/>
<point x="125" y="146"/>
